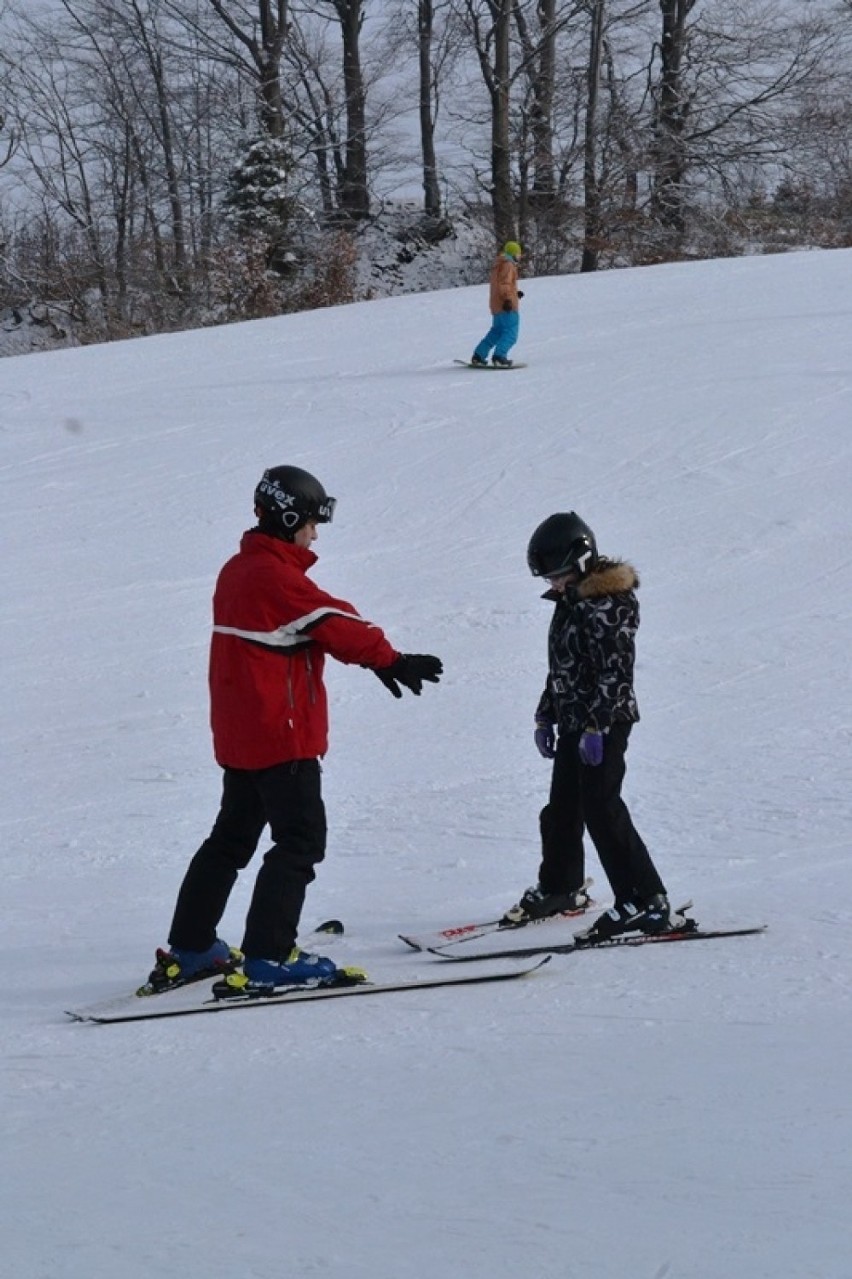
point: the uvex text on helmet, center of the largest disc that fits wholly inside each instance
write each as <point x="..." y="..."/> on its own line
<point x="292" y="497"/>
<point x="563" y="543"/>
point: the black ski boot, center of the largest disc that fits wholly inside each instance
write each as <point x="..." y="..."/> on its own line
<point x="537" y="904"/>
<point x="653" y="916"/>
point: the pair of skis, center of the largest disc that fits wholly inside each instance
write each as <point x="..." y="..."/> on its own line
<point x="209" y="995"/>
<point x="450" y="943"/>
<point x="206" y="997"/>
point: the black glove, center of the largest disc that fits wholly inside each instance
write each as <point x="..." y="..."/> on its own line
<point x="507" y="305"/>
<point x="520" y="293"/>
<point x="410" y="670"/>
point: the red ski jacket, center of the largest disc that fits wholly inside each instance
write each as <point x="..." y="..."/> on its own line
<point x="272" y="627"/>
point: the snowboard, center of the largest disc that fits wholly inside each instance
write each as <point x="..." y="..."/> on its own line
<point x="495" y="368"/>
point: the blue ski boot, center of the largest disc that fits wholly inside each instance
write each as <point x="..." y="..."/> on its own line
<point x="178" y="967"/>
<point x="299" y="969"/>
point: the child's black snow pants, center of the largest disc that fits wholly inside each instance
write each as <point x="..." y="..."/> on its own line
<point x="588" y="797"/>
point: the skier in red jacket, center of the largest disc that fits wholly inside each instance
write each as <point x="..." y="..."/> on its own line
<point x="272" y="627"/>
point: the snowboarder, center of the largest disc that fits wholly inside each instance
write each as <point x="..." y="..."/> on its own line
<point x="582" y="723"/>
<point x="272" y="628"/>
<point x="505" y="317"/>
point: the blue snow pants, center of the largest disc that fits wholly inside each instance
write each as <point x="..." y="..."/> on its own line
<point x="502" y="335"/>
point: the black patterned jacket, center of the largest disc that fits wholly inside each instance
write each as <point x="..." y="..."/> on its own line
<point x="591" y="651"/>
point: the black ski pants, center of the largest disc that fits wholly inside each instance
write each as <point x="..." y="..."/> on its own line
<point x="582" y="796"/>
<point x="287" y="798"/>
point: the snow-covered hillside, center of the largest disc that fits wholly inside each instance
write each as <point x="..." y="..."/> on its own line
<point x="671" y="1113"/>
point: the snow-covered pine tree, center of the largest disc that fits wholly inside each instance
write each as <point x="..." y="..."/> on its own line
<point x="257" y="202"/>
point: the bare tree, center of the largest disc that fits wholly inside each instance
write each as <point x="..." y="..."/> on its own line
<point x="116" y="138"/>
<point x="263" y="38"/>
<point x="489" y="25"/>
<point x="354" y="188"/>
<point x="314" y="108"/>
<point x="720" y="92"/>
<point x="540" y="53"/>
<point x="9" y="145"/>
<point x="671" y="115"/>
<point x="273" y="49"/>
<point x="428" y="38"/>
<point x="64" y="168"/>
<point x="591" y="186"/>
<point x="426" y="79"/>
<point x="611" y="126"/>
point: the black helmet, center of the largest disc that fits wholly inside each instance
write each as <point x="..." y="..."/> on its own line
<point x="288" y="497"/>
<point x="562" y="544"/>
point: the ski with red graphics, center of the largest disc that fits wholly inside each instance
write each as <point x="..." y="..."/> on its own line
<point x="457" y="933"/>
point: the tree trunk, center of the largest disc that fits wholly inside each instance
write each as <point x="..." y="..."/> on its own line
<point x="354" y="195"/>
<point x="591" y="186"/>
<point x="273" y="33"/>
<point x="501" y="175"/>
<point x="671" y="117"/>
<point x="172" y="176"/>
<point x="265" y="53"/>
<point x="543" y="183"/>
<point x="431" y="189"/>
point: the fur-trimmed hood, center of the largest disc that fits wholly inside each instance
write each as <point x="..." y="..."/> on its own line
<point x="608" y="577"/>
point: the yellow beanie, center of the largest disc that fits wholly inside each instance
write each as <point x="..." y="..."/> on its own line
<point x="512" y="249"/>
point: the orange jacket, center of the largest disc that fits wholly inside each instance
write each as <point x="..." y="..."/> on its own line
<point x="504" y="284"/>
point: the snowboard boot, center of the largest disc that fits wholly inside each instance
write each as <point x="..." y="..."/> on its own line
<point x="501" y="362"/>
<point x="478" y="361"/>
<point x="537" y="904"/>
<point x="179" y="967"/>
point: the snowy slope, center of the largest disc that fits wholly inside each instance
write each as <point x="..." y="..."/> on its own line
<point x="676" y="1112"/>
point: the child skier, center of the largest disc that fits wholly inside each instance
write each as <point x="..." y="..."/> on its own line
<point x="582" y="723"/>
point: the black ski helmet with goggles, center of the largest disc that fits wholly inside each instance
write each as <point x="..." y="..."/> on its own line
<point x="288" y="498"/>
<point x="562" y="544"/>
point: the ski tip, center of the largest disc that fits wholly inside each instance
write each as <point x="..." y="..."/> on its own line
<point x="409" y="941"/>
<point x="331" y="926"/>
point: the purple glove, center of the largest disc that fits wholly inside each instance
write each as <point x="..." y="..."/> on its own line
<point x="545" y="739"/>
<point x="591" y="749"/>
